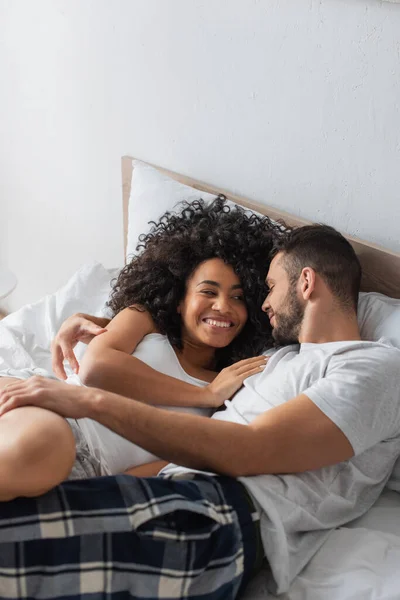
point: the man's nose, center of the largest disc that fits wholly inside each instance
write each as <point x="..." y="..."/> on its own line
<point x="265" y="305"/>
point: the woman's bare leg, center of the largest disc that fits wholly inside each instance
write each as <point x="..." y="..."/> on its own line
<point x="37" y="450"/>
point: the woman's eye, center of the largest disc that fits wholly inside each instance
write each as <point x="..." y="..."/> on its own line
<point x="208" y="292"/>
<point x="239" y="298"/>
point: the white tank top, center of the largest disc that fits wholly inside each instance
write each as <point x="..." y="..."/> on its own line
<point x="115" y="453"/>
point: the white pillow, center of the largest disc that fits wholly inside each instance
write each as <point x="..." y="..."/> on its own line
<point x="152" y="194"/>
<point x="379" y="316"/>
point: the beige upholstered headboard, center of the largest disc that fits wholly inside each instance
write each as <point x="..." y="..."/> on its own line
<point x="381" y="268"/>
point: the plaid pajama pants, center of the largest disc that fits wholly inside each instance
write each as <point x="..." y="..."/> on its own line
<point x="122" y="537"/>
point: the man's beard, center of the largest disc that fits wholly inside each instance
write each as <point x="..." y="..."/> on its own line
<point x="288" y="323"/>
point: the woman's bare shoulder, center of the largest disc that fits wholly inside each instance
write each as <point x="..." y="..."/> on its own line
<point x="133" y="316"/>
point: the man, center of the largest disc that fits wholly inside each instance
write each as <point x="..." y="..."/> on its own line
<point x="305" y="446"/>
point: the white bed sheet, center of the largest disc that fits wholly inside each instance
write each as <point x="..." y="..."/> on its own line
<point x="357" y="562"/>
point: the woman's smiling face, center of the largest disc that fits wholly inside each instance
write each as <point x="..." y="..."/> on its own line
<point x="213" y="311"/>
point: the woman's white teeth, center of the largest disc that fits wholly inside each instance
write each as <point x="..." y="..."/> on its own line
<point x="218" y="323"/>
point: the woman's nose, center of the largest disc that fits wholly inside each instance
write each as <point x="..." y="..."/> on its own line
<point x="220" y="304"/>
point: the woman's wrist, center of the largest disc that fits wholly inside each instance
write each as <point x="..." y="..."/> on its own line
<point x="100" y="321"/>
<point x="208" y="398"/>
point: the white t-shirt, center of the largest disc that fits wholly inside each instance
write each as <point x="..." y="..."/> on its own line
<point x="115" y="453"/>
<point x="356" y="384"/>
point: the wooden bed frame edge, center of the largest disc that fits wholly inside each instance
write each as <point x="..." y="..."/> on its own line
<point x="381" y="267"/>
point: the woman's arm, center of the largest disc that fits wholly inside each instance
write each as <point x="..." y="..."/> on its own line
<point x="99" y="321"/>
<point x="77" y="328"/>
<point x="108" y="364"/>
<point x="147" y="470"/>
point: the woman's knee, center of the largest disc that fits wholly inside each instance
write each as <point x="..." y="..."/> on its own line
<point x="37" y="450"/>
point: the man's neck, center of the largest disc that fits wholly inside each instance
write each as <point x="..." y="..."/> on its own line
<point x="329" y="326"/>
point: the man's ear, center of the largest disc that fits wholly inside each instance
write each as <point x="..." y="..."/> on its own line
<point x="307" y="282"/>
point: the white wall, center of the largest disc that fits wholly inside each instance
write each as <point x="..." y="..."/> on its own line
<point x="295" y="103"/>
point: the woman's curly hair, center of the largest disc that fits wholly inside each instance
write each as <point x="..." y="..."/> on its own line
<point x="156" y="276"/>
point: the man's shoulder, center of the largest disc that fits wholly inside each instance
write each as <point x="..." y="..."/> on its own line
<point x="375" y="356"/>
<point x="381" y="347"/>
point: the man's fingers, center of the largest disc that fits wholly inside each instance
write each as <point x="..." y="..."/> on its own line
<point x="10" y="390"/>
<point x="8" y="405"/>
<point x="19" y="391"/>
<point x="57" y="361"/>
<point x="16" y="400"/>
<point x="10" y="396"/>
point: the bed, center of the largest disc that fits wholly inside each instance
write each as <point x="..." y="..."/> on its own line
<point x="359" y="561"/>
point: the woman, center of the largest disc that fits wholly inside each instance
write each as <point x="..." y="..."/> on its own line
<point x="189" y="304"/>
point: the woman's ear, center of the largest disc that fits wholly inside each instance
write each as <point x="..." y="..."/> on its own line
<point x="178" y="309"/>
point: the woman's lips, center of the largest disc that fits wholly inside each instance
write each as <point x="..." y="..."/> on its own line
<point x="218" y="323"/>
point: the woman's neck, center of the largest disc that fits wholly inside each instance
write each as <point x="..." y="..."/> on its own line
<point x="197" y="355"/>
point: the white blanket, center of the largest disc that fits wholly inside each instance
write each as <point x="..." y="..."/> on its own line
<point x="359" y="562"/>
<point x="26" y="335"/>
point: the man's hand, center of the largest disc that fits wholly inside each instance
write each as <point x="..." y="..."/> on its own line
<point x="57" y="396"/>
<point x="78" y="328"/>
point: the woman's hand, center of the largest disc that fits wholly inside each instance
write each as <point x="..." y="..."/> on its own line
<point x="147" y="470"/>
<point x="230" y="379"/>
<point x="78" y="328"/>
<point x="59" y="397"/>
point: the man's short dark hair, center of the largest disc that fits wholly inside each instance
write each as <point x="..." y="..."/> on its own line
<point x="329" y="253"/>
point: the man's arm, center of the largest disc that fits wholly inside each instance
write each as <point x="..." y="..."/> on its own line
<point x="291" y="438"/>
<point x="296" y="436"/>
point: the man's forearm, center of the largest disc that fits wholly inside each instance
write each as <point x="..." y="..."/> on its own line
<point x="189" y="440"/>
<point x="293" y="437"/>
